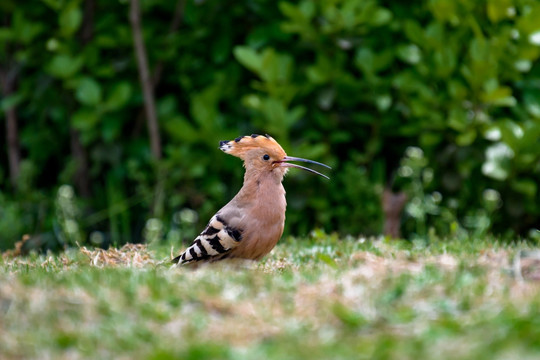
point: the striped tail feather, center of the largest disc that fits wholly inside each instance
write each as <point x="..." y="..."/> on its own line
<point x="213" y="244"/>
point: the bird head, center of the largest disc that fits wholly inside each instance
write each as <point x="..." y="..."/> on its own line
<point x="263" y="153"/>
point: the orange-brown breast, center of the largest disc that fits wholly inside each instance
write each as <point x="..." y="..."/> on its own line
<point x="264" y="217"/>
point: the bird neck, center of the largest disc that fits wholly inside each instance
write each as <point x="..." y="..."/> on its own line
<point x="268" y="182"/>
<point x="255" y="177"/>
<point x="263" y="197"/>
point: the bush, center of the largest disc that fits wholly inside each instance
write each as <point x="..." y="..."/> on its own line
<point x="353" y="84"/>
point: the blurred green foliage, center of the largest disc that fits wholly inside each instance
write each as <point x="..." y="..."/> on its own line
<point x="355" y="84"/>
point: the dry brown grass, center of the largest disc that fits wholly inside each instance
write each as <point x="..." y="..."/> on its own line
<point x="130" y="255"/>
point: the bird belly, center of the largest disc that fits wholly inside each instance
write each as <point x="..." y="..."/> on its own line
<point x="264" y="223"/>
<point x="259" y="242"/>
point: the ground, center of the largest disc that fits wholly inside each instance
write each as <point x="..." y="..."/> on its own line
<point x="320" y="298"/>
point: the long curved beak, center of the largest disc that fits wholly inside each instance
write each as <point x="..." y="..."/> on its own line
<point x="285" y="163"/>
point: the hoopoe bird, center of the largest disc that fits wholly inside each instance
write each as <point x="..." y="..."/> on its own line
<point x="251" y="224"/>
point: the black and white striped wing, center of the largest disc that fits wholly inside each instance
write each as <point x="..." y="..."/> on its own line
<point x="214" y="243"/>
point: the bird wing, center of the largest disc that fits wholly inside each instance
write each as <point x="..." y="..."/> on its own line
<point x="216" y="241"/>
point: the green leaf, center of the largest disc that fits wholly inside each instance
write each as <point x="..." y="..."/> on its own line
<point x="249" y="58"/>
<point x="11" y="101"/>
<point x="409" y="53"/>
<point x="414" y="31"/>
<point x="119" y="96"/>
<point x="365" y="60"/>
<point x="204" y="106"/>
<point x="501" y="96"/>
<point x="6" y="35"/>
<point x="445" y="61"/>
<point x="457" y="119"/>
<point x="275" y="67"/>
<point x="445" y="10"/>
<point x="252" y="101"/>
<point x="383" y="102"/>
<point x="321" y="71"/>
<point x="527" y="187"/>
<point x="532" y="103"/>
<point x="498" y="161"/>
<point x="430" y="139"/>
<point x="528" y="23"/>
<point x="180" y="129"/>
<point x="25" y="30"/>
<point x="293" y="12"/>
<point x="111" y="128"/>
<point x="295" y="115"/>
<point x="64" y="66"/>
<point x="53" y="4"/>
<point x="88" y="92"/>
<point x="511" y="132"/>
<point x="84" y="119"/>
<point x="381" y="17"/>
<point x="70" y="19"/>
<point x="529" y="140"/>
<point x="498" y="10"/>
<point x="275" y="112"/>
<point x="221" y="49"/>
<point x="466" y="138"/>
<point x="479" y="50"/>
<point x="167" y="106"/>
<point x="457" y="89"/>
<point x="308" y="9"/>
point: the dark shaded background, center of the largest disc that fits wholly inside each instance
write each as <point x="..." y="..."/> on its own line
<point x="113" y="111"/>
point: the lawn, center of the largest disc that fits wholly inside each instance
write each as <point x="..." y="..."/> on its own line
<point x="317" y="298"/>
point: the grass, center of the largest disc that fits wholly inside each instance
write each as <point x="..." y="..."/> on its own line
<point x="318" y="298"/>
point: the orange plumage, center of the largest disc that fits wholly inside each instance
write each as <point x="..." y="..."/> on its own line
<point x="251" y="224"/>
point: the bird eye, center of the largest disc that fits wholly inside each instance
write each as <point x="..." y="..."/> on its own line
<point x="266" y="157"/>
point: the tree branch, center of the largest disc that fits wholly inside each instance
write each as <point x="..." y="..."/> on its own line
<point x="392" y="204"/>
<point x="7" y="80"/>
<point x="146" y="81"/>
<point x="78" y="151"/>
<point x="82" y="174"/>
<point x="87" y="27"/>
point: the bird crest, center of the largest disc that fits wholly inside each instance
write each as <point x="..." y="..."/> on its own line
<point x="240" y="146"/>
